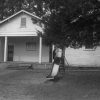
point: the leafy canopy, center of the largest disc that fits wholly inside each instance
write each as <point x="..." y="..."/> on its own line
<point x="74" y="23"/>
<point x="67" y="22"/>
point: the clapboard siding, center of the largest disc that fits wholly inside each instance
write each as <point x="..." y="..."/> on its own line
<point x="82" y="57"/>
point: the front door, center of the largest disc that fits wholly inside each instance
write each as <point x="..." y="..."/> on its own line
<point x="10" y="52"/>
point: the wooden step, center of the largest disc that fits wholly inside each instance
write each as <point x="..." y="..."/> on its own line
<point x="29" y="66"/>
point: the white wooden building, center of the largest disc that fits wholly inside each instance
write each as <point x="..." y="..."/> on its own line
<point x="19" y="39"/>
<point x="83" y="57"/>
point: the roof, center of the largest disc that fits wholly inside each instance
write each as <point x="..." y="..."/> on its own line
<point x="21" y="11"/>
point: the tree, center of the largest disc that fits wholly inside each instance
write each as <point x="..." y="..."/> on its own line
<point x="9" y="7"/>
<point x="87" y="24"/>
<point x="74" y="23"/>
<point x="57" y="28"/>
<point x="67" y="22"/>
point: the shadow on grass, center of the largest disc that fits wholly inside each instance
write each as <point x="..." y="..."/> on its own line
<point x="56" y="79"/>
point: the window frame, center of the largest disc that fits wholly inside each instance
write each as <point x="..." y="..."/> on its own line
<point x="23" y="22"/>
<point x="30" y="46"/>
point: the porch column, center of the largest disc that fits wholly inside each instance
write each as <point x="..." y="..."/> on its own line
<point x="40" y="49"/>
<point x="53" y="46"/>
<point x="5" y="49"/>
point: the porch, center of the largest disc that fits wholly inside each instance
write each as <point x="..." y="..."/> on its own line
<point x="23" y="49"/>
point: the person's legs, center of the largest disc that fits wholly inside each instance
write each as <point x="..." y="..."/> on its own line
<point x="55" y="70"/>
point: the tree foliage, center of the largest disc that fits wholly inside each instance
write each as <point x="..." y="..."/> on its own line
<point x="74" y="23"/>
<point x="67" y="22"/>
<point x="9" y="7"/>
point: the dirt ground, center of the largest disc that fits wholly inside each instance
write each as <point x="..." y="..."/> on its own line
<point x="33" y="85"/>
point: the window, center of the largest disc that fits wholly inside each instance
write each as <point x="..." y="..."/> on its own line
<point x="23" y="22"/>
<point x="89" y="48"/>
<point x="31" y="46"/>
<point x="89" y="43"/>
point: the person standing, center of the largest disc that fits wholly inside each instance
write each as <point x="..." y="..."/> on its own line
<point x="56" y="63"/>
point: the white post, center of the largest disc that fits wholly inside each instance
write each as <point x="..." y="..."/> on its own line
<point x="53" y="46"/>
<point x="5" y="49"/>
<point x="52" y="51"/>
<point x="40" y="50"/>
